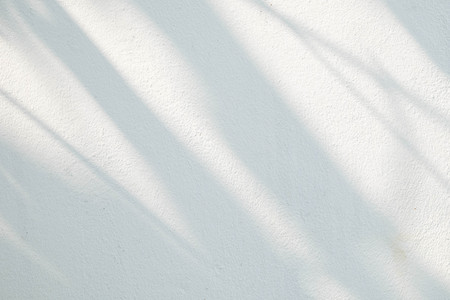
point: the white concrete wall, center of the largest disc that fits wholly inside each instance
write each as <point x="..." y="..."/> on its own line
<point x="239" y="149"/>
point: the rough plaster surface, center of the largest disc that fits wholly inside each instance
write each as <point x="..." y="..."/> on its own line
<point x="241" y="149"/>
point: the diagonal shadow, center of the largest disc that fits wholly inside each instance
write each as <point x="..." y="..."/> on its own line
<point x="261" y="130"/>
<point x="236" y="251"/>
<point x="270" y="140"/>
<point x="76" y="245"/>
<point x="429" y="23"/>
<point x="130" y="201"/>
<point x="310" y="39"/>
<point x="314" y="42"/>
<point x="430" y="286"/>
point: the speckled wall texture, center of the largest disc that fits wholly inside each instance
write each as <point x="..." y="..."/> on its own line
<point x="241" y="149"/>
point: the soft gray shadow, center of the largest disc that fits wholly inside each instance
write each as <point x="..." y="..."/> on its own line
<point x="278" y="149"/>
<point x="428" y="21"/>
<point x="316" y="44"/>
<point x="75" y="244"/>
<point x="128" y="200"/>
<point x="237" y="261"/>
<point x="430" y="286"/>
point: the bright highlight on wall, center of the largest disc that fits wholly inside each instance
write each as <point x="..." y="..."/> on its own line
<point x="241" y="149"/>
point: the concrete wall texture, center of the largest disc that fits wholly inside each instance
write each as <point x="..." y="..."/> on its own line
<point x="241" y="149"/>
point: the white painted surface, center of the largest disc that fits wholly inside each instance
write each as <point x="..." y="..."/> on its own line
<point x="240" y="149"/>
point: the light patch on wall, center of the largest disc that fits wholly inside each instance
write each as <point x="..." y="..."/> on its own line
<point x="321" y="286"/>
